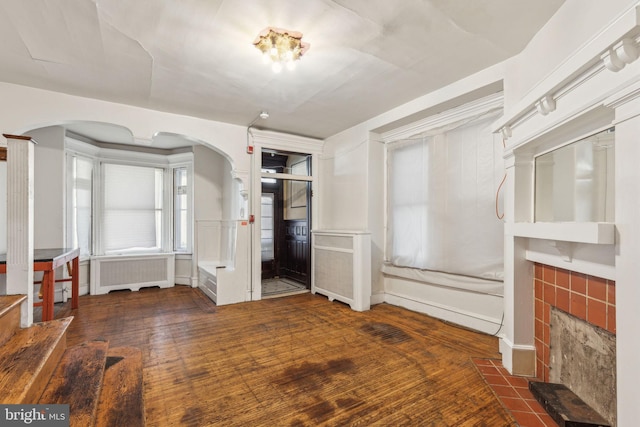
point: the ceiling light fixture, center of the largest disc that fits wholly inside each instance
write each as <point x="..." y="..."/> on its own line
<point x="280" y="48"/>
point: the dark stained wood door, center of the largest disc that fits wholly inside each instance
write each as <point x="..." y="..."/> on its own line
<point x="295" y="257"/>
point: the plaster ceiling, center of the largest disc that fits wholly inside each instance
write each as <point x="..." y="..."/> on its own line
<point x="195" y="57"/>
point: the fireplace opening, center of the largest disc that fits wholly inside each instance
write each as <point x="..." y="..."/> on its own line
<point x="583" y="359"/>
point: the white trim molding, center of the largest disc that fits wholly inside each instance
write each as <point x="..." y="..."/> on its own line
<point x="610" y="50"/>
<point x="483" y="105"/>
<point x="286" y="142"/>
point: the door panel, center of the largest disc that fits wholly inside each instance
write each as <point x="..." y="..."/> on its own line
<point x="296" y="250"/>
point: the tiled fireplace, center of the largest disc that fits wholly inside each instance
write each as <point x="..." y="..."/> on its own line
<point x="575" y="328"/>
<point x="584" y="95"/>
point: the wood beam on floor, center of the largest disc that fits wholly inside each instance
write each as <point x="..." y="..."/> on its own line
<point x="294" y="361"/>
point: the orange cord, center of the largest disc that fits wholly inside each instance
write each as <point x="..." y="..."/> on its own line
<point x="497" y="195"/>
<point x="499" y="187"/>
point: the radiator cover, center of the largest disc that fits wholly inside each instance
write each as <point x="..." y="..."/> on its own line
<point x="341" y="267"/>
<point x="109" y="273"/>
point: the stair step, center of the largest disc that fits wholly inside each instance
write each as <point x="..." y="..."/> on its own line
<point x="9" y="315"/>
<point x="77" y="381"/>
<point x="121" y="400"/>
<point x="28" y="359"/>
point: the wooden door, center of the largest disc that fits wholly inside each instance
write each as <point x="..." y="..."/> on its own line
<point x="295" y="258"/>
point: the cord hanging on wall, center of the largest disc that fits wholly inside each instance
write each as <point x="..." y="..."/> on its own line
<point x="263" y="115"/>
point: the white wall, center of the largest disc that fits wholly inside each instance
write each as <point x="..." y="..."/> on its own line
<point x="377" y="208"/>
<point x="345" y="169"/>
<point x="49" y="187"/>
<point x="209" y="169"/>
<point x="352" y="192"/>
<point x="230" y="193"/>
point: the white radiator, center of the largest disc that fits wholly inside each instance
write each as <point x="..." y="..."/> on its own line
<point x="109" y="273"/>
<point x="342" y="267"/>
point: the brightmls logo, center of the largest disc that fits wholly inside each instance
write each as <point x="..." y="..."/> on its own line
<point x="34" y="415"/>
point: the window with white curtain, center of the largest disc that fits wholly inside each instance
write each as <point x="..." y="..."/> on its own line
<point x="181" y="217"/>
<point x="132" y="209"/>
<point x="121" y="202"/>
<point x="442" y="200"/>
<point x="80" y="194"/>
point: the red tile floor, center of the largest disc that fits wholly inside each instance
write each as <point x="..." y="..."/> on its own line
<point x="513" y="392"/>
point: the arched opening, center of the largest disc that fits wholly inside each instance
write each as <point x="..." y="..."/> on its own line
<point x="92" y="180"/>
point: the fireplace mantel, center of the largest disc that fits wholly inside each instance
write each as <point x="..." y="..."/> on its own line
<point x="597" y="233"/>
<point x="597" y="87"/>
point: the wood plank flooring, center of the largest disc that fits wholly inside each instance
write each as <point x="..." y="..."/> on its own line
<point x="294" y="361"/>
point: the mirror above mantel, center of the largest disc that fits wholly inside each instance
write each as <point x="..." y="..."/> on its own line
<point x="574" y="192"/>
<point x="575" y="183"/>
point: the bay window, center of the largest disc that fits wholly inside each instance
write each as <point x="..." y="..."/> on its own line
<point x="181" y="210"/>
<point x="80" y="194"/>
<point x="124" y="202"/>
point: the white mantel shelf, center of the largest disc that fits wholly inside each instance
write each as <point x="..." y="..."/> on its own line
<point x="599" y="233"/>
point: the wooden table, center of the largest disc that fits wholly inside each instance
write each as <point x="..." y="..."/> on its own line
<point x="47" y="260"/>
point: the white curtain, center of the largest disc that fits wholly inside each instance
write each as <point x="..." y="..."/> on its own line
<point x="81" y="171"/>
<point x="442" y="200"/>
<point x="132" y="208"/>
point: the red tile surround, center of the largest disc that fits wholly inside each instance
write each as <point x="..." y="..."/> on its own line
<point x="589" y="298"/>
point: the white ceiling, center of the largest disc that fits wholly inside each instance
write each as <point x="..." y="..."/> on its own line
<point x="195" y="57"/>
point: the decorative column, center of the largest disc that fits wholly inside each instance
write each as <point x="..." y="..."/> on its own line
<point x="627" y="206"/>
<point x="517" y="343"/>
<point x="20" y="154"/>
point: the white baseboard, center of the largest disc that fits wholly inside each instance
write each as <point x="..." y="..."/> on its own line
<point x="377" y="298"/>
<point x="184" y="280"/>
<point x="208" y="292"/>
<point x="451" y="314"/>
<point x="518" y="359"/>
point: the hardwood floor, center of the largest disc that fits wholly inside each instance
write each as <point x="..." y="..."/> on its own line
<point x="294" y="361"/>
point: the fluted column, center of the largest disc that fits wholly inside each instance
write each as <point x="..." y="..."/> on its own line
<point x="20" y="154"/>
